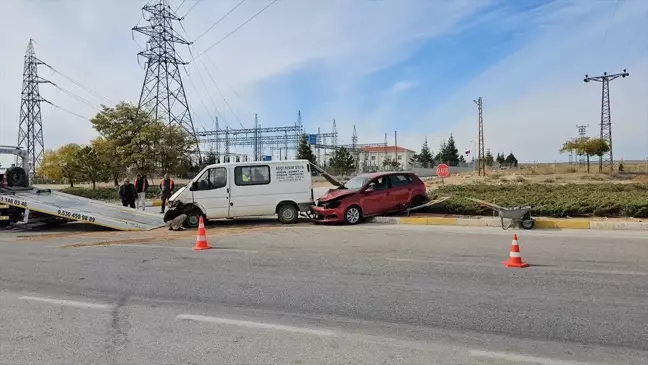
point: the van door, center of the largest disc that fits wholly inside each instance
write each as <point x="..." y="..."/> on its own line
<point x="211" y="191"/>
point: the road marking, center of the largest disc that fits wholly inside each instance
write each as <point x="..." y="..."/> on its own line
<point x="249" y="324"/>
<point x="68" y="303"/>
<point x="546" y="268"/>
<point x="521" y="358"/>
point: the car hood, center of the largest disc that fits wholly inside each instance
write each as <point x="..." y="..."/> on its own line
<point x="336" y="193"/>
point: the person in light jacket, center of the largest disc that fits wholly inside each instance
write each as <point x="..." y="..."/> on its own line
<point x="141" y="185"/>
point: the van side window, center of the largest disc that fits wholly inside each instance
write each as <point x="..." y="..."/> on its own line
<point x="252" y="175"/>
<point x="215" y="178"/>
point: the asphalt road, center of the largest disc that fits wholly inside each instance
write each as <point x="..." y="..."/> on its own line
<point x="305" y="294"/>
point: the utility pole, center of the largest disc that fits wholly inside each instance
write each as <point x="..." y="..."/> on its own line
<point x="481" y="160"/>
<point x="606" y="117"/>
<point x="30" y="129"/>
<point x="217" y="129"/>
<point x="395" y="149"/>
<point x="163" y="95"/>
<point x="582" y="132"/>
<point x="354" y="147"/>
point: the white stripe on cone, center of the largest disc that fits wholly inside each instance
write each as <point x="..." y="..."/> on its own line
<point x="514" y="254"/>
<point x="202" y="238"/>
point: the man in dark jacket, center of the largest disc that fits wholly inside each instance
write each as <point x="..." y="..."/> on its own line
<point x="141" y="185"/>
<point x="128" y="194"/>
<point x="166" y="188"/>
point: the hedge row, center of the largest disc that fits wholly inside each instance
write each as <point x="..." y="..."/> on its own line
<point x="550" y="200"/>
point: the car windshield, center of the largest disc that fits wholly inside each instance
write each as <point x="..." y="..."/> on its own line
<point x="355" y="184"/>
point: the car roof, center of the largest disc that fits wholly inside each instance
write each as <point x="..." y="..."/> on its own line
<point x="373" y="175"/>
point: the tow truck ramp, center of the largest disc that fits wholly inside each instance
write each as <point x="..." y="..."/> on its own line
<point x="76" y="208"/>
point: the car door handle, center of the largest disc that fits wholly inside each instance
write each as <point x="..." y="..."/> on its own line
<point x="388" y="193"/>
<point x="231" y="204"/>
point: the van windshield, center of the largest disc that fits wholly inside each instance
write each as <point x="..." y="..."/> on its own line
<point x="355" y="184"/>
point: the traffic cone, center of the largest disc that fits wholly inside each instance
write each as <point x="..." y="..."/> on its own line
<point x="201" y="240"/>
<point x="515" y="259"/>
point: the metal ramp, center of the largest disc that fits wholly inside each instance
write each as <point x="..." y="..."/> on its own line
<point x="76" y="208"/>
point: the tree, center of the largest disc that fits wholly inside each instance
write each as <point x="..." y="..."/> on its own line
<point x="451" y="152"/>
<point x="424" y="158"/>
<point x="489" y="158"/>
<point x="62" y="164"/>
<point x="92" y="166"/>
<point x="341" y="162"/>
<point x="170" y="144"/>
<point x="50" y="166"/>
<point x="106" y="151"/>
<point x="462" y="159"/>
<point x="500" y="158"/>
<point x="388" y="163"/>
<point x="588" y="147"/>
<point x="304" y="150"/>
<point x="597" y="147"/>
<point x="441" y="156"/>
<point x="510" y="160"/>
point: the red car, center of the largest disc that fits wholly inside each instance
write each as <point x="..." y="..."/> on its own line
<point x="369" y="195"/>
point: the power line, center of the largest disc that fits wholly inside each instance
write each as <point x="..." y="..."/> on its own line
<point x="79" y="98"/>
<point x="222" y="95"/>
<point x="190" y="9"/>
<point x="616" y="6"/>
<point x="235" y="29"/>
<point x="179" y="6"/>
<point x="77" y="83"/>
<point x="219" y="20"/>
<point x="66" y="110"/>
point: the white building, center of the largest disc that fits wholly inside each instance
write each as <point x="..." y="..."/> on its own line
<point x="372" y="157"/>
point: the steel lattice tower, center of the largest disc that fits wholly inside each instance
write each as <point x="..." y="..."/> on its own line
<point x="30" y="129"/>
<point x="582" y="132"/>
<point x="481" y="156"/>
<point x="163" y="94"/>
<point x="606" y="117"/>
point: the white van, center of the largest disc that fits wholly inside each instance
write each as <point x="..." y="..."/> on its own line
<point x="243" y="189"/>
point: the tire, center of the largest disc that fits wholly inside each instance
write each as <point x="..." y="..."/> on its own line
<point x="193" y="217"/>
<point x="288" y="214"/>
<point x="353" y="215"/>
<point x="17" y="177"/>
<point x="527" y="223"/>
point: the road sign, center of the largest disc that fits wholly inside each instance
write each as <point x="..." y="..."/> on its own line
<point x="312" y="139"/>
<point x="443" y="170"/>
<point x="267" y="158"/>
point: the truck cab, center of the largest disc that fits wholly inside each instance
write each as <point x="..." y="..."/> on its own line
<point x="245" y="189"/>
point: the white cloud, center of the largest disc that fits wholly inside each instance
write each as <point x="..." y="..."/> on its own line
<point x="403" y="85"/>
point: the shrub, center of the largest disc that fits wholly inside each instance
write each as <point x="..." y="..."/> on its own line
<point x="569" y="200"/>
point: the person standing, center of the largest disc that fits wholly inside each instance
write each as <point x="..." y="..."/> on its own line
<point x="128" y="194"/>
<point x="141" y="184"/>
<point x="166" y="188"/>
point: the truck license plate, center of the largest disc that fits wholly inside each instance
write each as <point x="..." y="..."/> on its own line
<point x="4" y="218"/>
<point x="4" y="206"/>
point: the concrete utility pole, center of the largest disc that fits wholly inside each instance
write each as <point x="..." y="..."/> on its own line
<point x="606" y="117"/>
<point x="481" y="156"/>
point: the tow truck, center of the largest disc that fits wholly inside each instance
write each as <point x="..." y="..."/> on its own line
<point x="28" y="206"/>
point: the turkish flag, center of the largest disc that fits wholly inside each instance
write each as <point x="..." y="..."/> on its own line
<point x="467" y="152"/>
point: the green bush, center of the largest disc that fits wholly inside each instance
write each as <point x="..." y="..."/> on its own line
<point x="110" y="194"/>
<point x="570" y="200"/>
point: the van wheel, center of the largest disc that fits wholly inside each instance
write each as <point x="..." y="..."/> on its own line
<point x="193" y="217"/>
<point x="288" y="214"/>
<point x="352" y="215"/>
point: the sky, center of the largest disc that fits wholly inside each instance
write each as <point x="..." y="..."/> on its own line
<point x="411" y="66"/>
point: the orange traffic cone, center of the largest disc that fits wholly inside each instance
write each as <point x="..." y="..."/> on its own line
<point x="515" y="259"/>
<point x="201" y="240"/>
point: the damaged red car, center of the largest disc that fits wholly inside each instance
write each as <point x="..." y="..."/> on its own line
<point x="368" y="195"/>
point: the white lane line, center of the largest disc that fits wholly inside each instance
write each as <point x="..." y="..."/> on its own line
<point x="521" y="358"/>
<point x="546" y="268"/>
<point x="249" y="324"/>
<point x="68" y="303"/>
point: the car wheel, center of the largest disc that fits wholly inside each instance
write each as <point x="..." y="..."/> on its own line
<point x="193" y="217"/>
<point x="352" y="215"/>
<point x="288" y="214"/>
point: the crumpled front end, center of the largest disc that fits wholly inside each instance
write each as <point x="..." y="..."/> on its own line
<point x="328" y="211"/>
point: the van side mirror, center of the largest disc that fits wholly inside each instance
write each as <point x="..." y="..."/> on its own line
<point x="194" y="186"/>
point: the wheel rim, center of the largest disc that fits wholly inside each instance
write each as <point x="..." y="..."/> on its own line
<point x="193" y="219"/>
<point x="288" y="214"/>
<point x="353" y="215"/>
